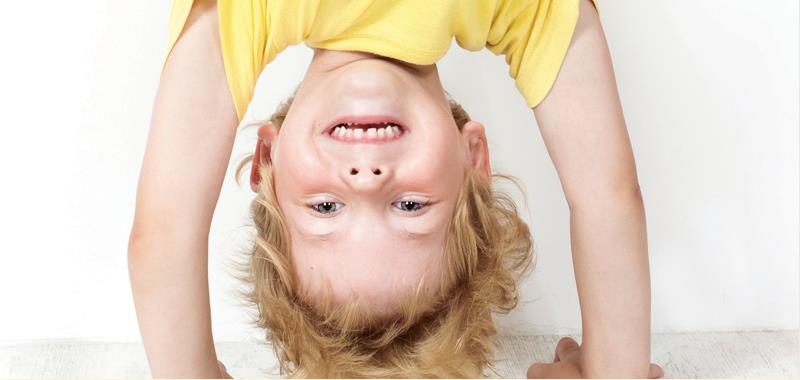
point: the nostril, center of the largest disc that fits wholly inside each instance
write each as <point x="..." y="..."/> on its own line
<point x="377" y="171"/>
<point x="353" y="171"/>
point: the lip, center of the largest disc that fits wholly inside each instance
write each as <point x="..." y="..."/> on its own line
<point x="365" y="119"/>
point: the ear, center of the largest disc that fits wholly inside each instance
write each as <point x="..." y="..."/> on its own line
<point x="473" y="136"/>
<point x="267" y="133"/>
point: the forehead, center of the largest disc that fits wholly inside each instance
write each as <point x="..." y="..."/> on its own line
<point x="369" y="240"/>
<point x="378" y="269"/>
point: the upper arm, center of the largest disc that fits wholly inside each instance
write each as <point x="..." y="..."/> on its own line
<point x="581" y="120"/>
<point x="192" y="130"/>
<point x="188" y="148"/>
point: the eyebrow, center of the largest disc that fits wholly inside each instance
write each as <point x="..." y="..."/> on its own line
<point x="333" y="235"/>
<point x="328" y="236"/>
<point x="415" y="236"/>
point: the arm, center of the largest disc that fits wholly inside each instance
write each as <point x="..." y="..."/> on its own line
<point x="189" y="144"/>
<point x="584" y="131"/>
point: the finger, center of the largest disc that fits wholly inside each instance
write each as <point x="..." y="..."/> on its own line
<point x="565" y="346"/>
<point x="536" y="371"/>
<point x="561" y="370"/>
<point x="655" y="372"/>
<point x="556" y="359"/>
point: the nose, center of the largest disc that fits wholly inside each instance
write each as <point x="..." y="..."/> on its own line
<point x="366" y="178"/>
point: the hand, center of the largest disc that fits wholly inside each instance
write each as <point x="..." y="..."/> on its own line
<point x="223" y="371"/>
<point x="566" y="364"/>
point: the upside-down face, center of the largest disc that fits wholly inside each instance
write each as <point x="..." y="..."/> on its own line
<point x="367" y="166"/>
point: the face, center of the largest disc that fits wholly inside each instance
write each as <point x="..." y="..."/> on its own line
<point x="368" y="204"/>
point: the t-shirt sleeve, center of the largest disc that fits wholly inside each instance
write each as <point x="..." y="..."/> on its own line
<point x="534" y="37"/>
<point x="243" y="29"/>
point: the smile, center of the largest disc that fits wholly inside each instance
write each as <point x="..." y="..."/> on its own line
<point x="365" y="130"/>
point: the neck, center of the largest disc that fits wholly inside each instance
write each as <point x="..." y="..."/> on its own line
<point x="325" y="61"/>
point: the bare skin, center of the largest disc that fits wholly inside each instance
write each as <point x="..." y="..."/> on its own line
<point x="187" y="154"/>
<point x="567" y="364"/>
<point x="583" y="128"/>
<point x="342" y="198"/>
<point x="184" y="165"/>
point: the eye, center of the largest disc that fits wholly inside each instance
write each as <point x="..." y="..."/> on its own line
<point x="409" y="206"/>
<point x="326" y="207"/>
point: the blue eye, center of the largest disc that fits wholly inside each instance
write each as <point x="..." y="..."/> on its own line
<point x="325" y="207"/>
<point x="409" y="206"/>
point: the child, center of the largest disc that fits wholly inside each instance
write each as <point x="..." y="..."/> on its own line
<point x="382" y="249"/>
<point x="403" y="291"/>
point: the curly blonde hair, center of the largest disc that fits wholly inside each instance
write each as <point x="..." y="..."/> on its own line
<point x="488" y="249"/>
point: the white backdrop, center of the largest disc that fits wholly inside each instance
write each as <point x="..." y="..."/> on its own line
<point x="709" y="90"/>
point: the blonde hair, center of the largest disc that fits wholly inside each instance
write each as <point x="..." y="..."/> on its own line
<point x="488" y="249"/>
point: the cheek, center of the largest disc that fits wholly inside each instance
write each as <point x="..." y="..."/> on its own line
<point x="298" y="161"/>
<point x="438" y="155"/>
<point x="298" y="171"/>
<point x="436" y="165"/>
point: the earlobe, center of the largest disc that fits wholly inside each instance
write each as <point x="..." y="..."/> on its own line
<point x="474" y="138"/>
<point x="266" y="135"/>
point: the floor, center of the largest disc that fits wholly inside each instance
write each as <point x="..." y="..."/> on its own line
<point x="772" y="354"/>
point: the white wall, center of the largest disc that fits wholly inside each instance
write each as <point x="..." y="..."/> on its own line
<point x="709" y="90"/>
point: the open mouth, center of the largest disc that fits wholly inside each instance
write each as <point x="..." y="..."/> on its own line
<point x="364" y="130"/>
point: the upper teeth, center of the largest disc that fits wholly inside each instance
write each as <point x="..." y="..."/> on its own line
<point x="345" y="131"/>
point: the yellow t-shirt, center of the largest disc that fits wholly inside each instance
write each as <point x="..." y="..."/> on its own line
<point x="533" y="35"/>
